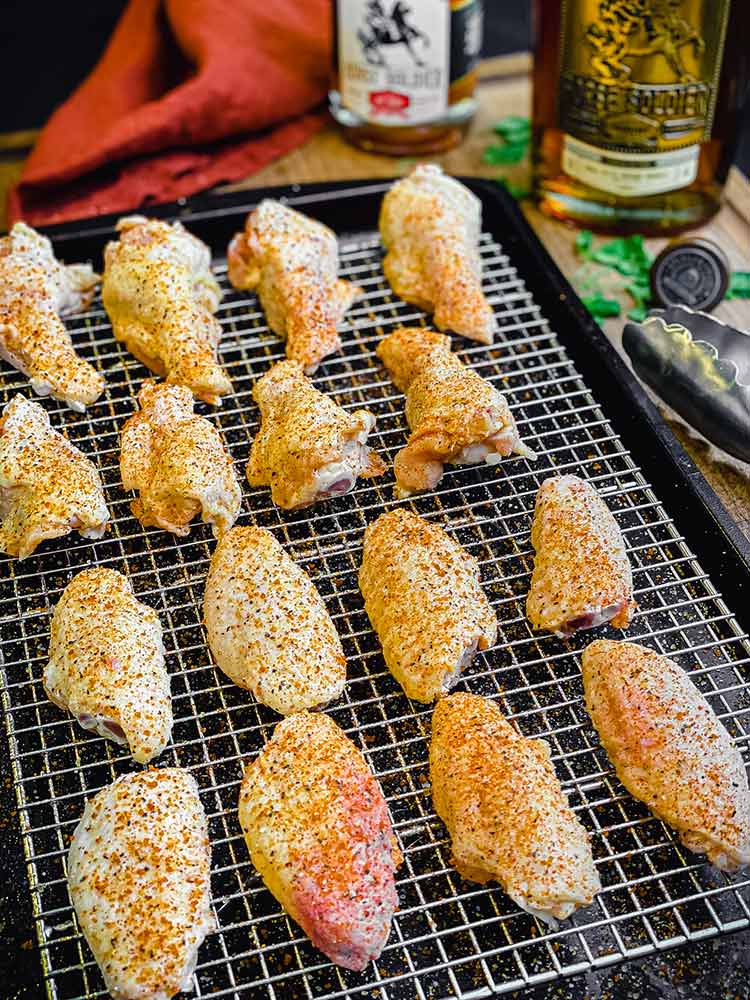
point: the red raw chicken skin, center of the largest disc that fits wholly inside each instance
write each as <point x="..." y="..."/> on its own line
<point x="177" y="76"/>
<point x="318" y="831"/>
<point x="346" y="895"/>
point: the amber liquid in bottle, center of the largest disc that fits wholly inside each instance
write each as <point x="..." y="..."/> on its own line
<point x="404" y="73"/>
<point x="637" y="108"/>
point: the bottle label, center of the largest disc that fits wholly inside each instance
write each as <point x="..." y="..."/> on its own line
<point x="467" y="29"/>
<point x="397" y="58"/>
<point x="631" y="175"/>
<point x="638" y="77"/>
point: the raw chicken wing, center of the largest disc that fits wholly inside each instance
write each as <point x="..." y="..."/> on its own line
<point x="47" y="487"/>
<point x="582" y="576"/>
<point x="424" y="599"/>
<point x="161" y="298"/>
<point x="308" y="448"/>
<point x="139" y="870"/>
<point x="106" y="663"/>
<point x="454" y="416"/>
<point x="36" y="290"/>
<point x="176" y="461"/>
<point x="318" y="831"/>
<point x="293" y="262"/>
<point x="268" y="628"/>
<point x="668" y="748"/>
<point x="508" y="817"/>
<point x="430" y="225"/>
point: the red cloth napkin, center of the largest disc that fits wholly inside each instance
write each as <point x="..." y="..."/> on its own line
<point x="187" y="94"/>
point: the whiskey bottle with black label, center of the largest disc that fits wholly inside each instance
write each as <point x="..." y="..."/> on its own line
<point x="637" y="109"/>
<point x="404" y="72"/>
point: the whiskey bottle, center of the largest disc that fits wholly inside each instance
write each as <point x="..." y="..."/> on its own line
<point x="404" y="72"/>
<point x="637" y="108"/>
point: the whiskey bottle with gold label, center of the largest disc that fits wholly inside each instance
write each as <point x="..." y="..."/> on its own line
<point x="637" y="108"/>
<point x="404" y="72"/>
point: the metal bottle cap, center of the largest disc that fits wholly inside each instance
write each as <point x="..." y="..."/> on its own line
<point x="692" y="271"/>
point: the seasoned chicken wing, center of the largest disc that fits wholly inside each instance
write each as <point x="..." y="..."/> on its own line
<point x="268" y="628"/>
<point x="508" y="818"/>
<point x="177" y="462"/>
<point x="430" y="225"/>
<point x="318" y="831"/>
<point x="293" y="262"/>
<point x="106" y="663"/>
<point x="424" y="599"/>
<point x="47" y="487"/>
<point x="582" y="576"/>
<point x="454" y="415"/>
<point x="668" y="748"/>
<point x="161" y="298"/>
<point x="139" y="870"/>
<point x="36" y="290"/>
<point x="308" y="448"/>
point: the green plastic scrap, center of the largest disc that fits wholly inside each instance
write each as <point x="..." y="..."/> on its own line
<point x="739" y="285"/>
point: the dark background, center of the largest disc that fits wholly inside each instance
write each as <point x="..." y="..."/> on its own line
<point x="68" y="38"/>
<point x="47" y="49"/>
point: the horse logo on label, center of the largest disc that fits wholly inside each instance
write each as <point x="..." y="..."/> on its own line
<point x="640" y="28"/>
<point x="384" y="29"/>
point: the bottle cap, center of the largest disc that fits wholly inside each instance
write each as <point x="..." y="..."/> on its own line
<point x="692" y="271"/>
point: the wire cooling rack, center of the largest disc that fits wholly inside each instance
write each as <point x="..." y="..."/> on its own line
<point x="450" y="938"/>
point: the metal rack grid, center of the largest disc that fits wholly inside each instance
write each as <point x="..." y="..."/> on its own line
<point x="450" y="938"/>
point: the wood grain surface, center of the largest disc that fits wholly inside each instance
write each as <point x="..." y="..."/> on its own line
<point x="504" y="89"/>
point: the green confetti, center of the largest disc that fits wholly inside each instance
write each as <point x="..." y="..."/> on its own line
<point x="739" y="285"/>
<point x="601" y="307"/>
